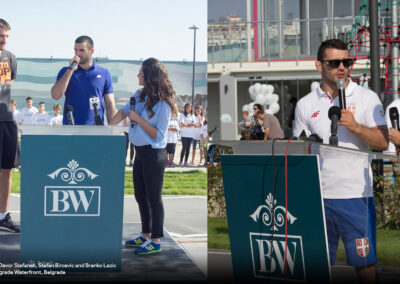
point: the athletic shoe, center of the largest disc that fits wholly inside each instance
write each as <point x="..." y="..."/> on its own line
<point x="8" y="224"/>
<point x="191" y="163"/>
<point x="180" y="163"/>
<point x="186" y="165"/>
<point x="135" y="243"/>
<point x="149" y="247"/>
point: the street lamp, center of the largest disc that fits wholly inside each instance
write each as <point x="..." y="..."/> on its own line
<point x="194" y="28"/>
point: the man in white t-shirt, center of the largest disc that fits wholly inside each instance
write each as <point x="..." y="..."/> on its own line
<point x="42" y="117"/>
<point x="28" y="113"/>
<point x="346" y="178"/>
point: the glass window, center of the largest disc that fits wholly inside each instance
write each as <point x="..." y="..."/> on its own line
<point x="342" y="8"/>
<point x="291" y="9"/>
<point x="318" y="9"/>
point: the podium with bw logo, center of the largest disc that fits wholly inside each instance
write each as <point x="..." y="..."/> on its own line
<point x="72" y="187"/>
<point x="263" y="188"/>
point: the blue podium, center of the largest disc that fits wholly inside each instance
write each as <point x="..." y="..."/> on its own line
<point x="275" y="210"/>
<point x="72" y="187"/>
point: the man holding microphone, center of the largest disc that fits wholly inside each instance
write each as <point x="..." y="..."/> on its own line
<point x="82" y="80"/>
<point x="346" y="178"/>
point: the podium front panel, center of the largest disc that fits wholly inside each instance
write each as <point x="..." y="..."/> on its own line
<point x="255" y="203"/>
<point x="72" y="190"/>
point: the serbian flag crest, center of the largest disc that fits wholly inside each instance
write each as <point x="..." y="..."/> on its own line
<point x="362" y="246"/>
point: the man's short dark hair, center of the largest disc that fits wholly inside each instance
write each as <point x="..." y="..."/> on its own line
<point x="4" y="25"/>
<point x="259" y="106"/>
<point x="261" y="111"/>
<point x="28" y="99"/>
<point x="330" y="43"/>
<point x="88" y="40"/>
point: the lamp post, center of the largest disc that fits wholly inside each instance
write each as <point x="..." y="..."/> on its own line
<point x="194" y="28"/>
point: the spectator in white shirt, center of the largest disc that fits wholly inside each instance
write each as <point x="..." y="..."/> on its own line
<point x="56" y="118"/>
<point x="27" y="115"/>
<point x="198" y="123"/>
<point x="42" y="117"/>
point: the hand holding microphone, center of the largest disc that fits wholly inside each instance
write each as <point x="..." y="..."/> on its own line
<point x="74" y="63"/>
<point x="394" y="134"/>
<point x="94" y="105"/>
<point x="132" y="108"/>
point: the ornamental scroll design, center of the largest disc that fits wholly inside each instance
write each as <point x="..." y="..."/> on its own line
<point x="270" y="212"/>
<point x="72" y="173"/>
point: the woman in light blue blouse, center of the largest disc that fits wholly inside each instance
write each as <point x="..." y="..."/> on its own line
<point x="151" y="115"/>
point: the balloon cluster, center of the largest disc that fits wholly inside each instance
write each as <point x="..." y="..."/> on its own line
<point x="262" y="94"/>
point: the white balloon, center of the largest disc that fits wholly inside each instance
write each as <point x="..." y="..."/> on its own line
<point x="257" y="87"/>
<point x="252" y="92"/>
<point x="314" y="86"/>
<point x="269" y="111"/>
<point x="245" y="108"/>
<point x="251" y="110"/>
<point x="275" y="98"/>
<point x="269" y="99"/>
<point x="264" y="89"/>
<point x="226" y="118"/>
<point x="270" y="89"/>
<point x="260" y="98"/>
<point x="274" y="107"/>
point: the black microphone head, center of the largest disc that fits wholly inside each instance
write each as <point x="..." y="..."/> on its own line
<point x="340" y="83"/>
<point x="132" y="101"/>
<point x="334" y="110"/>
<point x="393" y="113"/>
<point x="69" y="108"/>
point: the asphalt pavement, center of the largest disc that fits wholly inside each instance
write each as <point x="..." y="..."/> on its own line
<point x="184" y="255"/>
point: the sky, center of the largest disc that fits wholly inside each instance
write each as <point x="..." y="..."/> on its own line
<point x="120" y="29"/>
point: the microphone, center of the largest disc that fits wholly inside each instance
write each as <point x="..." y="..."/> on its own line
<point x="342" y="97"/>
<point x="133" y="104"/>
<point x="394" y="117"/>
<point x="312" y="138"/>
<point x="69" y="110"/>
<point x="94" y="103"/>
<point x="73" y="64"/>
<point x="334" y="115"/>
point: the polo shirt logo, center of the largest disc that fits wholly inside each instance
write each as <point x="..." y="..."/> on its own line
<point x="98" y="76"/>
<point x="315" y="114"/>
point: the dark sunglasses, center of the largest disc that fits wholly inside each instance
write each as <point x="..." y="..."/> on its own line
<point x="335" y="63"/>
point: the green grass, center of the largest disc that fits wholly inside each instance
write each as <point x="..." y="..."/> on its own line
<point x="388" y="242"/>
<point x="175" y="183"/>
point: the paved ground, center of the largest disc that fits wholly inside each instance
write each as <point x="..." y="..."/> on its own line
<point x="220" y="268"/>
<point x="184" y="255"/>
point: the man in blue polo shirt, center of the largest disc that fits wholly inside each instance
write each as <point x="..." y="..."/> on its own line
<point x="83" y="80"/>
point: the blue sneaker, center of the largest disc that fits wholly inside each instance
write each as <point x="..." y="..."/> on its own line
<point x="149" y="247"/>
<point x="135" y="243"/>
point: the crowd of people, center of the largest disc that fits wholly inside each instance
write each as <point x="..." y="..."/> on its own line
<point x="189" y="129"/>
<point x="30" y="115"/>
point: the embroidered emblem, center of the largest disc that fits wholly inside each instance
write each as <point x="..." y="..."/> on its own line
<point x="315" y="114"/>
<point x="362" y="246"/>
<point x="352" y="108"/>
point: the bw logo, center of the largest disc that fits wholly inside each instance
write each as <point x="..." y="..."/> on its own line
<point x="72" y="201"/>
<point x="268" y="256"/>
